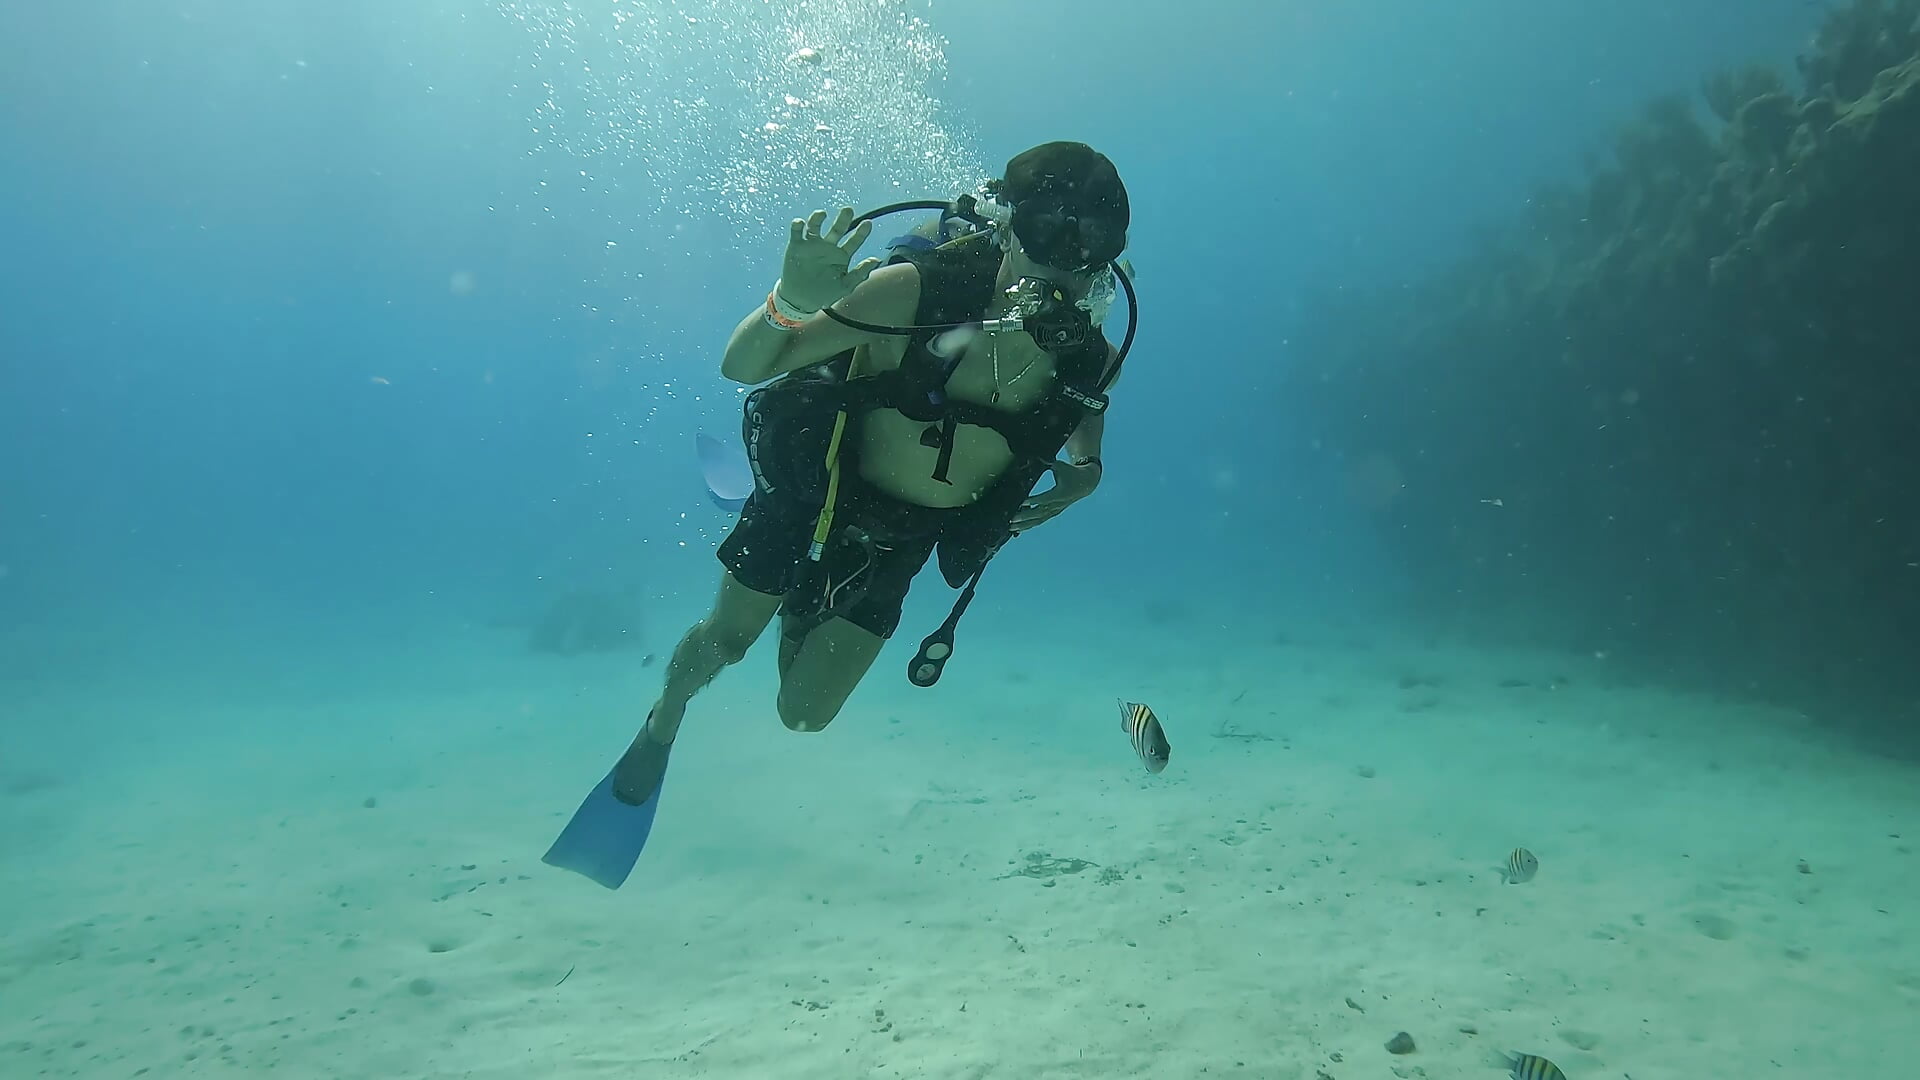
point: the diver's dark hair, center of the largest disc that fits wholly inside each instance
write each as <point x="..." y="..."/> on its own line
<point x="1067" y="186"/>
<point x="1073" y="172"/>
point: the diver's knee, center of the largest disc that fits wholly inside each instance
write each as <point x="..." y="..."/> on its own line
<point x="805" y="716"/>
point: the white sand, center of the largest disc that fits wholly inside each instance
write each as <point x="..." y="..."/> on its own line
<point x="201" y="892"/>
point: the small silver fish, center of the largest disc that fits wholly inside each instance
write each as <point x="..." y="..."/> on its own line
<point x="1520" y="868"/>
<point x="1532" y="1067"/>
<point x="1143" y="730"/>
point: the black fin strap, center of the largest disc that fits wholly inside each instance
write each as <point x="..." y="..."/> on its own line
<point x="927" y="664"/>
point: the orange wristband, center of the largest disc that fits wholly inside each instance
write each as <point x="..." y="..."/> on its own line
<point x="777" y="320"/>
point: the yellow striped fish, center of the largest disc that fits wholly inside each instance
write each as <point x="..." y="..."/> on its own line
<point x="1521" y="866"/>
<point x="1143" y="730"/>
<point x="1533" y="1067"/>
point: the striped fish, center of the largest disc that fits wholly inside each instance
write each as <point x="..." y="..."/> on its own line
<point x="1533" y="1067"/>
<point x="1143" y="730"/>
<point x="1520" y="868"/>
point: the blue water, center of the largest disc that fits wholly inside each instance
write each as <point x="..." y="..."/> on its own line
<point x="331" y="335"/>
<point x="222" y="225"/>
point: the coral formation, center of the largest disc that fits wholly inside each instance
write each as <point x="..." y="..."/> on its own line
<point x="1690" y="380"/>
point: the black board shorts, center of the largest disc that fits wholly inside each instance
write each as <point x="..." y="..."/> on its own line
<point x="877" y="545"/>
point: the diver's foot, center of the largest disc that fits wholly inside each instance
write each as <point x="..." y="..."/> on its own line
<point x="637" y="775"/>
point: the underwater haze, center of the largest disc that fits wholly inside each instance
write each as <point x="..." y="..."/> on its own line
<point x="1506" y="513"/>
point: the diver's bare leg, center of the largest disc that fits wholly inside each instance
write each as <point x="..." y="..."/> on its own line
<point x="790" y="643"/>
<point x="738" y="617"/>
<point x="820" y="673"/>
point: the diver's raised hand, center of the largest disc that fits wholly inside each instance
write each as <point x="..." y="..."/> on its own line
<point x="815" y="273"/>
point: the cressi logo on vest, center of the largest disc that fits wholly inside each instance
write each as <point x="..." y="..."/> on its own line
<point x="1091" y="402"/>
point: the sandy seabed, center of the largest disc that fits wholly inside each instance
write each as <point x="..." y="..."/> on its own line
<point x="974" y="881"/>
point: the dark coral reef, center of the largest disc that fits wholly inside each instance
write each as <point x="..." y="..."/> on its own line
<point x="1673" y="415"/>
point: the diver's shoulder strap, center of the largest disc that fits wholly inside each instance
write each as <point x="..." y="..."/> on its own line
<point x="956" y="280"/>
<point x="1092" y="400"/>
<point x="956" y="285"/>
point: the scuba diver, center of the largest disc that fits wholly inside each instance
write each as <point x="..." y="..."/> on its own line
<point x="910" y="407"/>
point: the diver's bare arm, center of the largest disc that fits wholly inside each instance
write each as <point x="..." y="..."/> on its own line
<point x="1084" y="443"/>
<point x="758" y="351"/>
<point x="1083" y="446"/>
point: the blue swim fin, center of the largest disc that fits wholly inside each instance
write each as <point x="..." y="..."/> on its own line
<point x="605" y="837"/>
